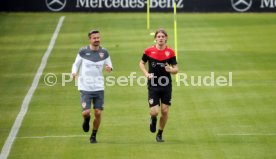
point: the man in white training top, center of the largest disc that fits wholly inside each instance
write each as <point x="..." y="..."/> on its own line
<point x="88" y="66"/>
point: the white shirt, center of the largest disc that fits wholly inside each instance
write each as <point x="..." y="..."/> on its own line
<point x="89" y="65"/>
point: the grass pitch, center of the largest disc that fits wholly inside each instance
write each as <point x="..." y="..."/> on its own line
<point x="204" y="122"/>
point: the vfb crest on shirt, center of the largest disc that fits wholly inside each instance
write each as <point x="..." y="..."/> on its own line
<point x="150" y="101"/>
<point x="101" y="54"/>
<point x="167" y="53"/>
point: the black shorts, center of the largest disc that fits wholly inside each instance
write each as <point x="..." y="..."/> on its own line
<point x="96" y="97"/>
<point x="155" y="95"/>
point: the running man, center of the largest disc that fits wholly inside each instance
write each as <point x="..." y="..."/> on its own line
<point x="88" y="66"/>
<point x="161" y="64"/>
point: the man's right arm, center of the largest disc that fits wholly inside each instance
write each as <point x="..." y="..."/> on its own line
<point x="144" y="70"/>
<point x="75" y="67"/>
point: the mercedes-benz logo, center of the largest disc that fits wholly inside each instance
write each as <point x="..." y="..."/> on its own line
<point x="241" y="5"/>
<point x="55" y="5"/>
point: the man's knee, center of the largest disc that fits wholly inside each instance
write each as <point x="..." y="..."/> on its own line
<point x="154" y="110"/>
<point x="86" y="113"/>
<point x="165" y="110"/>
<point x="97" y="113"/>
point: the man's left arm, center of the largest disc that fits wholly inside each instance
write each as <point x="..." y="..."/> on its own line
<point x="172" y="69"/>
<point x="108" y="64"/>
<point x="171" y="66"/>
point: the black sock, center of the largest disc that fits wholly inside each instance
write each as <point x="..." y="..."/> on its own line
<point x="160" y="132"/>
<point x="87" y="119"/>
<point x="94" y="133"/>
<point x="153" y="119"/>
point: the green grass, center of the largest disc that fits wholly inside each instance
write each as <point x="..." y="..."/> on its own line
<point x="204" y="122"/>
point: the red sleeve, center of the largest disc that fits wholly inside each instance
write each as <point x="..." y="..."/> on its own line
<point x="145" y="56"/>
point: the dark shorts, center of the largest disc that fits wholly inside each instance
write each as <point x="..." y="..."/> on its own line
<point x="96" y="97"/>
<point x="157" y="95"/>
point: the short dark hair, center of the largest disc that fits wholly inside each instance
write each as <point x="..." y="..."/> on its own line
<point x="160" y="30"/>
<point x="93" y="32"/>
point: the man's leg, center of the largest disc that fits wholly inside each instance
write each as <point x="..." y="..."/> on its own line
<point x="153" y="120"/>
<point x="86" y="120"/>
<point x="153" y="99"/>
<point x="164" y="116"/>
<point x="86" y="106"/>
<point x="163" y="121"/>
<point x="96" y="125"/>
<point x="97" y="119"/>
<point x="98" y="102"/>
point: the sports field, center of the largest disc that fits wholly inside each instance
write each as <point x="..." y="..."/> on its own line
<point x="214" y="122"/>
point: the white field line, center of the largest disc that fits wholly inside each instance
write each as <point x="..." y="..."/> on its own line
<point x="25" y="104"/>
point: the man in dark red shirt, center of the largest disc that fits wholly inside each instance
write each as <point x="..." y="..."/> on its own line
<point x="161" y="64"/>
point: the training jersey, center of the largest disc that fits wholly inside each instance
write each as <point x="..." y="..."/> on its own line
<point x="157" y="60"/>
<point x="89" y="65"/>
